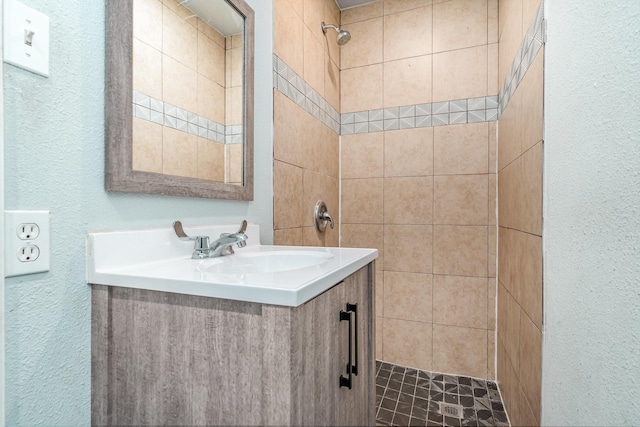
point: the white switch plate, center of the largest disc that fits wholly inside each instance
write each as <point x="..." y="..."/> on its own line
<point x="18" y="248"/>
<point x="20" y="20"/>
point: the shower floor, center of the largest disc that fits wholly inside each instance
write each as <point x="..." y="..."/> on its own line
<point x="410" y="397"/>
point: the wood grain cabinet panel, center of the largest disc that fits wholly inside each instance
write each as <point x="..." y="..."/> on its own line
<point x="170" y="359"/>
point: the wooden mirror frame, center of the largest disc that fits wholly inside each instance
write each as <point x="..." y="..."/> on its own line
<point x="119" y="173"/>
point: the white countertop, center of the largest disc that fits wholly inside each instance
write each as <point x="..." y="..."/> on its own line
<point x="157" y="260"/>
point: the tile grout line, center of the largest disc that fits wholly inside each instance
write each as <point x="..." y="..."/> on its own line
<point x="433" y="228"/>
<point x="384" y="392"/>
<point x="395" y="411"/>
<point x="413" y="400"/>
<point x="488" y="232"/>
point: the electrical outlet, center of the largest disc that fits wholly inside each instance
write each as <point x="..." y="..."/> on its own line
<point x="26" y="242"/>
<point x="28" y="231"/>
<point x="28" y="253"/>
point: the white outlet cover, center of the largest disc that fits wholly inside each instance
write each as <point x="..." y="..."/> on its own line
<point x="20" y="20"/>
<point x="12" y="222"/>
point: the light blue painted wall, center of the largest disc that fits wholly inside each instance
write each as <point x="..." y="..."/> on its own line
<point x="591" y="236"/>
<point x="54" y="160"/>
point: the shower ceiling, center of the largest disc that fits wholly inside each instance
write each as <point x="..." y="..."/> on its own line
<point x="346" y="4"/>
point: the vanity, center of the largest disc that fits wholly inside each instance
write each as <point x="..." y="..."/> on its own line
<point x="265" y="336"/>
<point x="270" y="335"/>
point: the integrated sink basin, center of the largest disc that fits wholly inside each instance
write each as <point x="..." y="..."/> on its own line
<point x="264" y="262"/>
<point x="158" y="260"/>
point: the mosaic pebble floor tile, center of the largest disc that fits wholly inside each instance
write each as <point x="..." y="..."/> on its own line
<point x="410" y="397"/>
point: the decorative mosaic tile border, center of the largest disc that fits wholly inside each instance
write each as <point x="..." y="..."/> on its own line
<point x="471" y="110"/>
<point x="296" y="89"/>
<point x="154" y="110"/>
<point x="460" y="111"/>
<point x="533" y="41"/>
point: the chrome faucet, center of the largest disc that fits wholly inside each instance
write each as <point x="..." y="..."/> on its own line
<point x="222" y="246"/>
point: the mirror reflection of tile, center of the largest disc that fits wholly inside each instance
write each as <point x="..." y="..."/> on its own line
<point x="187" y="95"/>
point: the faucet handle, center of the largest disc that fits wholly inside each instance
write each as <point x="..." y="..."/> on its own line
<point x="177" y="227"/>
<point x="243" y="228"/>
<point x="321" y="216"/>
<point x="201" y="247"/>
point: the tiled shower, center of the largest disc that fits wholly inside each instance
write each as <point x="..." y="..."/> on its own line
<point x="423" y="199"/>
<point x="399" y="132"/>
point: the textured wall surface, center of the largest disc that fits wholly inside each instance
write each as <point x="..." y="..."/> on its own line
<point x="2" y="310"/>
<point x="54" y="160"/>
<point x="591" y="368"/>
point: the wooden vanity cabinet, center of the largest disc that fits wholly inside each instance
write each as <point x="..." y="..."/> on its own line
<point x="163" y="358"/>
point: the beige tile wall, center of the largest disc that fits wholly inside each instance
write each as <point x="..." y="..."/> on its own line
<point x="305" y="151"/>
<point x="233" y="104"/>
<point x="180" y="60"/>
<point x="301" y="44"/>
<point x="233" y="79"/>
<point x="519" y="346"/>
<point x="422" y="196"/>
<point x="408" y="52"/>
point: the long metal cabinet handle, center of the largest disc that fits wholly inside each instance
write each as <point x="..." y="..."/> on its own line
<point x="354" y="308"/>
<point x="346" y="381"/>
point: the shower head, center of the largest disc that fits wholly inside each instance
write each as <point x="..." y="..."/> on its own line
<point x="343" y="35"/>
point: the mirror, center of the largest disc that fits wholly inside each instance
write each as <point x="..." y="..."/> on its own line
<point x="179" y="97"/>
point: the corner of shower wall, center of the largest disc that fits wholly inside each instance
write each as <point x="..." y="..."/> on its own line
<point x="306" y="82"/>
<point x="520" y="141"/>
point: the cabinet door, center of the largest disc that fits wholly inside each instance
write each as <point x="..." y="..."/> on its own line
<point x="317" y="341"/>
<point x="357" y="405"/>
<point x="180" y="359"/>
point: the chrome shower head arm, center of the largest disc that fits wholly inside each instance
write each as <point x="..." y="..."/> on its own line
<point x="325" y="26"/>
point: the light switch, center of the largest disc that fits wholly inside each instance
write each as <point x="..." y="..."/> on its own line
<point x="26" y="37"/>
